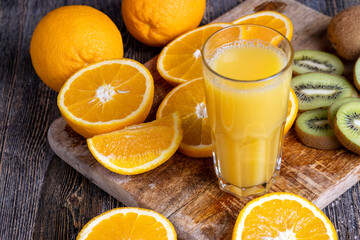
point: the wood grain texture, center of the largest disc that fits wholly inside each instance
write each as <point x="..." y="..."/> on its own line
<point x="36" y="189"/>
<point x="185" y="190"/>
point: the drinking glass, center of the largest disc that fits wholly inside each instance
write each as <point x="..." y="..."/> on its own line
<point x="247" y="114"/>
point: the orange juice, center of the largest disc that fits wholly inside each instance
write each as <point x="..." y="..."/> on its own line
<point x="247" y="114"/>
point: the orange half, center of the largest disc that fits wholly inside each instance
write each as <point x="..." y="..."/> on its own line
<point x="292" y="111"/>
<point x="189" y="100"/>
<point x="107" y="96"/>
<point x="128" y="223"/>
<point x="272" y="19"/>
<point x="282" y="216"/>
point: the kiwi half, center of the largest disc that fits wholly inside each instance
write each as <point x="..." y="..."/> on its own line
<point x="347" y="126"/>
<point x="316" y="61"/>
<point x="313" y="130"/>
<point x="357" y="74"/>
<point x="335" y="107"/>
<point x="320" y="90"/>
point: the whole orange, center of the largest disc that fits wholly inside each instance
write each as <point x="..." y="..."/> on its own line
<point x="157" y="22"/>
<point x="69" y="38"/>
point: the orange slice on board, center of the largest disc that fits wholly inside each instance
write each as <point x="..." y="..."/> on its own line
<point x="189" y="100"/>
<point x="180" y="60"/>
<point x="138" y="148"/>
<point x="292" y="111"/>
<point x="282" y="216"/>
<point x="271" y="19"/>
<point x="128" y="223"/>
<point x="107" y="96"/>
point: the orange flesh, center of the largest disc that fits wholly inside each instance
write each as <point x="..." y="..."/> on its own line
<point x="275" y="216"/>
<point x="123" y="82"/>
<point x="128" y="226"/>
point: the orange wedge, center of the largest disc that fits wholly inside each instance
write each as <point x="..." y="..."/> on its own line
<point x="180" y="60"/>
<point x="128" y="223"/>
<point x="138" y="148"/>
<point x="189" y="100"/>
<point x="271" y="19"/>
<point x="106" y="96"/>
<point x="282" y="216"/>
<point x="292" y="111"/>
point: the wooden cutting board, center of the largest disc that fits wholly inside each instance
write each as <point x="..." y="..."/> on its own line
<point x="184" y="189"/>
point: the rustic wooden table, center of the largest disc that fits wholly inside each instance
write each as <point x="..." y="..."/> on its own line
<point x="41" y="197"/>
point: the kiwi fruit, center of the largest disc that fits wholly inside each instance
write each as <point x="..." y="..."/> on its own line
<point x="316" y="61"/>
<point x="335" y="107"/>
<point x="313" y="130"/>
<point x="320" y="90"/>
<point x="357" y="74"/>
<point x="347" y="126"/>
<point x="344" y="33"/>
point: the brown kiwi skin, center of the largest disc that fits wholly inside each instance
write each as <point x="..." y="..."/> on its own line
<point x="344" y="141"/>
<point x="319" y="142"/>
<point x="344" y="33"/>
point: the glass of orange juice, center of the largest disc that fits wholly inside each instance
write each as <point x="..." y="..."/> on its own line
<point x="247" y="73"/>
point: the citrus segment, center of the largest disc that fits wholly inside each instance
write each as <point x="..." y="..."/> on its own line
<point x="107" y="96"/>
<point x="189" y="100"/>
<point x="138" y="148"/>
<point x="271" y="19"/>
<point x="282" y="216"/>
<point x="292" y="111"/>
<point x="128" y="223"/>
<point x="180" y="60"/>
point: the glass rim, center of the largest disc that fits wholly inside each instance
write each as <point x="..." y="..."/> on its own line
<point x="286" y="67"/>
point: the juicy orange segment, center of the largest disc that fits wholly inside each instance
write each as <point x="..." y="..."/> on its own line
<point x="128" y="223"/>
<point x="189" y="100"/>
<point x="282" y="216"/>
<point x="138" y="148"/>
<point x="180" y="60"/>
<point x="107" y="96"/>
<point x="271" y="19"/>
<point x="292" y="111"/>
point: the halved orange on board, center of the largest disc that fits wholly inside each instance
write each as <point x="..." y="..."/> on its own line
<point x="128" y="223"/>
<point x="189" y="100"/>
<point x="271" y="19"/>
<point x="180" y="60"/>
<point x="282" y="216"/>
<point x="292" y="111"/>
<point x="107" y="96"/>
<point x="138" y="148"/>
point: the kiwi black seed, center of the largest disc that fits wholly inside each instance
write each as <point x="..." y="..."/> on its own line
<point x="347" y="126"/>
<point x="317" y="61"/>
<point x="320" y="90"/>
<point x="313" y="130"/>
<point x="357" y="74"/>
<point x="336" y="105"/>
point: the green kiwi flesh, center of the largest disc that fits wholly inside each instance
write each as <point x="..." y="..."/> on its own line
<point x="357" y="74"/>
<point x="335" y="107"/>
<point x="320" y="90"/>
<point x="317" y="61"/>
<point x="347" y="126"/>
<point x="313" y="130"/>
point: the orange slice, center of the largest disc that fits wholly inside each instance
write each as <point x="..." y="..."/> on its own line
<point x="292" y="111"/>
<point x="271" y="19"/>
<point x="180" y="60"/>
<point x="282" y="216"/>
<point x="189" y="100"/>
<point x="107" y="96"/>
<point x="128" y="223"/>
<point x="138" y="148"/>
